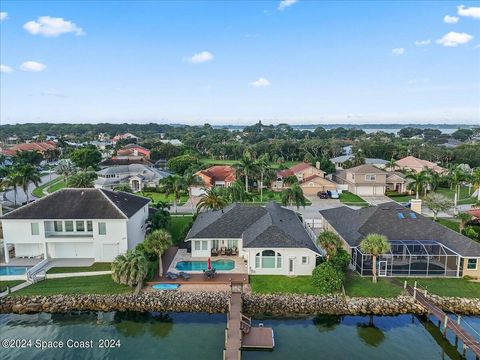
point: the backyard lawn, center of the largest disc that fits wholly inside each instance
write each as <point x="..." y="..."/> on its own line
<point x="269" y="195"/>
<point x="99" y="284"/>
<point x="451" y="224"/>
<point x="177" y="227"/>
<point x="99" y="266"/>
<point x="57" y="186"/>
<point x="464" y="197"/>
<point x="348" y="198"/>
<point x="448" y="287"/>
<point x="11" y="283"/>
<point x="357" y="286"/>
<point x="38" y="191"/>
<point x="156" y="197"/>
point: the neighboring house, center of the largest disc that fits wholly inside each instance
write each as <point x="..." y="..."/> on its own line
<point x="174" y="142"/>
<point x="77" y="223"/>
<point x="452" y="143"/>
<point x="136" y="175"/>
<point x="123" y="137"/>
<point x="41" y="147"/>
<point x="310" y="178"/>
<point x="397" y="181"/>
<point x="339" y="160"/>
<point x="115" y="161"/>
<point x="365" y="180"/>
<point x="271" y="239"/>
<point x="133" y="150"/>
<point x="218" y="175"/>
<point x="419" y="245"/>
<point x="412" y="163"/>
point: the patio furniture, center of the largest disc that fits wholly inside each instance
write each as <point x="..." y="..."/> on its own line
<point x="234" y="251"/>
<point x="214" y="252"/>
<point x="171" y="276"/>
<point x="184" y="275"/>
<point x="228" y="252"/>
<point x="210" y="274"/>
<point x="222" y="250"/>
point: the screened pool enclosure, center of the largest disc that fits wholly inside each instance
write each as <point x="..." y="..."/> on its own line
<point x="411" y="258"/>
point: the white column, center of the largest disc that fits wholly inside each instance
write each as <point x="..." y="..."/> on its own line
<point x="5" y="249"/>
<point x="45" y="250"/>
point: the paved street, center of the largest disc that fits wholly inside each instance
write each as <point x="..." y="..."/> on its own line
<point x="9" y="196"/>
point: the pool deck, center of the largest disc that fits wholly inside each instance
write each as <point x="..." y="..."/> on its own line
<point x="200" y="279"/>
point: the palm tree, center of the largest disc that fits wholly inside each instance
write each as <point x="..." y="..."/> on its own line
<point x="211" y="200"/>
<point x="330" y="242"/>
<point x="419" y="181"/>
<point x="464" y="219"/>
<point x="246" y="165"/>
<point x="28" y="174"/>
<point x="375" y="245"/>
<point x="65" y="168"/>
<point x="82" y="179"/>
<point x="475" y="178"/>
<point x="12" y="180"/>
<point x="438" y="202"/>
<point x="357" y="159"/>
<point x="175" y="185"/>
<point x="263" y="165"/>
<point x="190" y="179"/>
<point x="456" y="176"/>
<point x="157" y="242"/>
<point x="391" y="164"/>
<point x="293" y="195"/>
<point x="433" y="179"/>
<point x="236" y="192"/>
<point x="130" y="269"/>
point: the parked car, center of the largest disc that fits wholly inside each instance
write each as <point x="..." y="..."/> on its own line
<point x="334" y="194"/>
<point x="406" y="204"/>
<point x="322" y="195"/>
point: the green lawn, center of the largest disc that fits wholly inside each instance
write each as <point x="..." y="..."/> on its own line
<point x="448" y="287"/>
<point x="357" y="286"/>
<point x="451" y="224"/>
<point x="99" y="266"/>
<point x="38" y="192"/>
<point x="269" y="195"/>
<point x="100" y="284"/>
<point x="177" y="227"/>
<point x="348" y="198"/>
<point x="57" y="186"/>
<point x="464" y="197"/>
<point x="156" y="197"/>
<point x="11" y="283"/>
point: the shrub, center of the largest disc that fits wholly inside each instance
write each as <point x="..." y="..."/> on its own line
<point x="340" y="260"/>
<point x="327" y="278"/>
<point x="152" y="268"/>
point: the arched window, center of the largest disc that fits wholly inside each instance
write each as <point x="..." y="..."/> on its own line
<point x="268" y="259"/>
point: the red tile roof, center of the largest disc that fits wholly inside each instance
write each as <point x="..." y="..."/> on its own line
<point x="218" y="173"/>
<point x="475" y="213"/>
<point x="34" y="146"/>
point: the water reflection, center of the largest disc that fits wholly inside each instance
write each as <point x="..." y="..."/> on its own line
<point x="133" y="324"/>
<point x="369" y="333"/>
<point x="325" y="323"/>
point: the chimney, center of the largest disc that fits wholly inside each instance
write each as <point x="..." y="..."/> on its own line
<point x="317" y="165"/>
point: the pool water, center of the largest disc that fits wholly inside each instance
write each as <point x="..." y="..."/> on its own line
<point x="165" y="286"/>
<point x="13" y="270"/>
<point x="203" y="265"/>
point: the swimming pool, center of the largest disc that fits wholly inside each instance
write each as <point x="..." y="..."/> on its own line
<point x="165" y="286"/>
<point x="203" y="265"/>
<point x="13" y="270"/>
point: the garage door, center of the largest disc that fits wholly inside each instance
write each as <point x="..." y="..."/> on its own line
<point x="110" y="252"/>
<point x="312" y="190"/>
<point x="365" y="190"/>
<point x="72" y="250"/>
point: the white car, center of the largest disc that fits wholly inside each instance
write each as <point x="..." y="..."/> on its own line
<point x="334" y="194"/>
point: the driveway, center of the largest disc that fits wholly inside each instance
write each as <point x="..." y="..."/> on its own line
<point x="377" y="199"/>
<point x="312" y="211"/>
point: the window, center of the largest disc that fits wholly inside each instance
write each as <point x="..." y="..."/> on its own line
<point x="370" y="177"/>
<point x="279" y="260"/>
<point x="58" y="226"/>
<point x="268" y="259"/>
<point x="89" y="226"/>
<point x="472" y="264"/>
<point x="231" y="244"/>
<point x="80" y="226"/>
<point x="197" y="245"/>
<point x="69" y="226"/>
<point x="215" y="244"/>
<point x="204" y="245"/>
<point x="304" y="260"/>
<point x="35" y="228"/>
<point x="102" y="228"/>
<point x="353" y="176"/>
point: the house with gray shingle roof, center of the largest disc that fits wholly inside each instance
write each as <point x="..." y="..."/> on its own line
<point x="272" y="240"/>
<point x="419" y="245"/>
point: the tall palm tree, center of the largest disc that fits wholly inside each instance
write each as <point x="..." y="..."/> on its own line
<point x="375" y="245"/>
<point x="175" y="185"/>
<point x="28" y="175"/>
<point x="263" y="165"/>
<point x="475" y="179"/>
<point x="419" y="181"/>
<point x="12" y="180"/>
<point x="130" y="269"/>
<point x="246" y="165"/>
<point x="190" y="180"/>
<point x="456" y="176"/>
<point x="464" y="219"/>
<point x="433" y="179"/>
<point x="330" y="242"/>
<point x="293" y="195"/>
<point x="65" y="168"/>
<point x="391" y="164"/>
<point x="82" y="180"/>
<point x="158" y="242"/>
<point x="236" y="192"/>
<point x="211" y="200"/>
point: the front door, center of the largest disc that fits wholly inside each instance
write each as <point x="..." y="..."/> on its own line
<point x="382" y="268"/>
<point x="291" y="266"/>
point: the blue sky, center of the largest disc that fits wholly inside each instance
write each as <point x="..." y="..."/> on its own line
<point x="239" y="62"/>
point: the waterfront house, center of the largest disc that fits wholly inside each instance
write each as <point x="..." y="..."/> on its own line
<point x="271" y="239"/>
<point x="76" y="223"/>
<point x="419" y="245"/>
<point x="310" y="178"/>
<point x="411" y="163"/>
<point x="137" y="176"/>
<point x="214" y="176"/>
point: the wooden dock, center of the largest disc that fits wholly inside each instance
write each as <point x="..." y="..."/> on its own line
<point x="469" y="342"/>
<point x="240" y="334"/>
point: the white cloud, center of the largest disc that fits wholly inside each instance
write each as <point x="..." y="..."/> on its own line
<point x="3" y="15"/>
<point x="5" y="69"/>
<point x="453" y="39"/>
<point x="261" y="82"/>
<point x="470" y="12"/>
<point x="423" y="42"/>
<point x="398" y="51"/>
<point x="52" y="26"/>
<point x="199" y="58"/>
<point x="285" y="4"/>
<point x="53" y="93"/>
<point x="450" y="19"/>
<point x="32" y="66"/>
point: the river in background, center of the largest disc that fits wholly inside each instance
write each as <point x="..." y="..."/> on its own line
<point x="187" y="336"/>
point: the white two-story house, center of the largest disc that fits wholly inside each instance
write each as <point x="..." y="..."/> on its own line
<point x="271" y="239"/>
<point x="76" y="223"/>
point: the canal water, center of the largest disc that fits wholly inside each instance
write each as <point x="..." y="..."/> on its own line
<point x="178" y="336"/>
